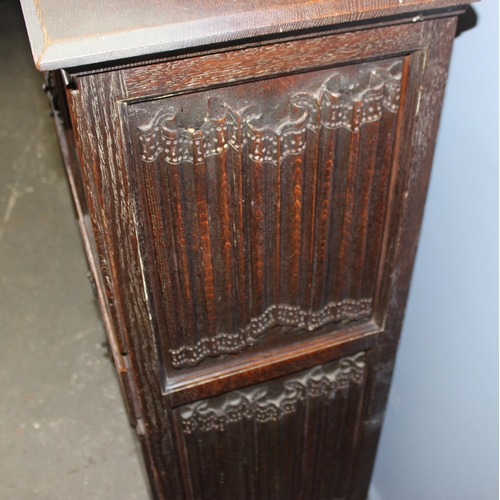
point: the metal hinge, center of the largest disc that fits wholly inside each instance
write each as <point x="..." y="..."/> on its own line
<point x="69" y="80"/>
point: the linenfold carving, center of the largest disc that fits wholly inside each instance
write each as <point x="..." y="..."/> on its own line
<point x="261" y="218"/>
<point x="273" y="400"/>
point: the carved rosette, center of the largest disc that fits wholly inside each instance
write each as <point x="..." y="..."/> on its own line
<point x="269" y="225"/>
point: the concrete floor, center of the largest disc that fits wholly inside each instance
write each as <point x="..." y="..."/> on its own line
<point x="63" y="430"/>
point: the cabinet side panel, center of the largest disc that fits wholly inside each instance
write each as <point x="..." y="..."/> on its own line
<point x="248" y="216"/>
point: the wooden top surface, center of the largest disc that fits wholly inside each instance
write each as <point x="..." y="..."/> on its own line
<point x="69" y="33"/>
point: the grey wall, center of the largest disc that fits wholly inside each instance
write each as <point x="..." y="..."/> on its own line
<point x="440" y="436"/>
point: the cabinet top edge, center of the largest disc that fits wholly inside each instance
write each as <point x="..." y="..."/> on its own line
<point x="66" y="34"/>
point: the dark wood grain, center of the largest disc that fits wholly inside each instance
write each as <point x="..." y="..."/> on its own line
<point x="419" y="123"/>
<point x="207" y="382"/>
<point x="268" y="60"/>
<point x="255" y="213"/>
<point x="279" y="429"/>
<point x="275" y="157"/>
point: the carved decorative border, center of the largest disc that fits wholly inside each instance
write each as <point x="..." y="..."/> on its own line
<point x="348" y="107"/>
<point x="258" y="404"/>
<point x="282" y="315"/>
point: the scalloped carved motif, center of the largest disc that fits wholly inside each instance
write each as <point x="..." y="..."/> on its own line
<point x="273" y="400"/>
<point x="349" y="107"/>
<point x="283" y="315"/>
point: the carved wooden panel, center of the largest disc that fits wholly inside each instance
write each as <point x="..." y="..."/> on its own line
<point x="256" y="218"/>
<point x="293" y="437"/>
<point x="265" y="202"/>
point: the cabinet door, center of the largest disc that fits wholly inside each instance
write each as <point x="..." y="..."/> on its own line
<point x="256" y="213"/>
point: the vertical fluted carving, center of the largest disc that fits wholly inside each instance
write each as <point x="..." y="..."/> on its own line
<point x="292" y="429"/>
<point x="271" y="225"/>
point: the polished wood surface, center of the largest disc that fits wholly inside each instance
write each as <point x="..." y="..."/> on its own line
<point x="251" y="214"/>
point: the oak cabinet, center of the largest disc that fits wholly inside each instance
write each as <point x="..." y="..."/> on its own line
<point x="250" y="211"/>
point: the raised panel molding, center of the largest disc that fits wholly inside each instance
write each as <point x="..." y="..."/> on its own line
<point x="286" y="203"/>
<point x="292" y="437"/>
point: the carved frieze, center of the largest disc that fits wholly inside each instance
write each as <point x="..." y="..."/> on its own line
<point x="273" y="400"/>
<point x="280" y="314"/>
<point x="348" y="106"/>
